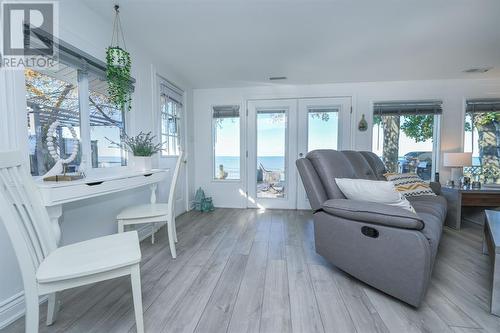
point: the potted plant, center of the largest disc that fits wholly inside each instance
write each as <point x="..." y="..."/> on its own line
<point x="118" y="67"/>
<point x="142" y="147"/>
<point x="118" y="75"/>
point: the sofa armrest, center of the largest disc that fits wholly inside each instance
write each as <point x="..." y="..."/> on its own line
<point x="372" y="212"/>
<point x="435" y="187"/>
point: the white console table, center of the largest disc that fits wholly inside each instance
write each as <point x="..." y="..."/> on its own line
<point x="55" y="194"/>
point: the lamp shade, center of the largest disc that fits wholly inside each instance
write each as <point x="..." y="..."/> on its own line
<point x="456" y="160"/>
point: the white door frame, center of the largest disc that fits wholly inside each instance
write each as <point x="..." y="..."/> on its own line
<point x="169" y="161"/>
<point x="290" y="107"/>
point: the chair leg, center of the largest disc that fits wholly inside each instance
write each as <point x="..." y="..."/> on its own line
<point x="153" y="225"/>
<point x="53" y="308"/>
<point x="135" y="278"/>
<point x="121" y="227"/>
<point x="171" y="241"/>
<point x="32" y="315"/>
<point x="174" y="228"/>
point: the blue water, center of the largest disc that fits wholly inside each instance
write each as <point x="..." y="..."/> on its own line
<point x="232" y="164"/>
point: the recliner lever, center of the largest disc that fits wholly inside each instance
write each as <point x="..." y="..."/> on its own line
<point x="369" y="232"/>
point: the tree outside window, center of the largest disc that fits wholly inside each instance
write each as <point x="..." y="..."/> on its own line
<point x="404" y="136"/>
<point x="482" y="138"/>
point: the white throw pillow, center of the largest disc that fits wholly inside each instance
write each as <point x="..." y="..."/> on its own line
<point x="378" y="191"/>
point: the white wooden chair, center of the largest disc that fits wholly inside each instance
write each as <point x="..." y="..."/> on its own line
<point x="47" y="269"/>
<point x="155" y="213"/>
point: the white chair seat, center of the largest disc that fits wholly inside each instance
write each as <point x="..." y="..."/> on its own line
<point x="90" y="257"/>
<point x="143" y="211"/>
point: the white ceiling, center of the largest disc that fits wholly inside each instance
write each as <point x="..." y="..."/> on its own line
<point x="226" y="43"/>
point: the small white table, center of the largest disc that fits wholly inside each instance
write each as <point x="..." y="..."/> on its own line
<point x="55" y="194"/>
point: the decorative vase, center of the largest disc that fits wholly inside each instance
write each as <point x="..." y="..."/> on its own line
<point x="142" y="163"/>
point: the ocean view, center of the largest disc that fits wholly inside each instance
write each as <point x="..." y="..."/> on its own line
<point x="232" y="167"/>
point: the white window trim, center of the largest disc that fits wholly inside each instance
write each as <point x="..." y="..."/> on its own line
<point x="181" y="115"/>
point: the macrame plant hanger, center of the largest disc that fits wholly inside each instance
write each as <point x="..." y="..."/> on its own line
<point x="117" y="30"/>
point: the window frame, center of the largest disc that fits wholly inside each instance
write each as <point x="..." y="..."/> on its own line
<point x="473" y="103"/>
<point x="213" y="133"/>
<point x="85" y="63"/>
<point x="175" y="95"/>
<point x="83" y="89"/>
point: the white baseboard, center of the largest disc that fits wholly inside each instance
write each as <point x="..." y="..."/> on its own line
<point x="13" y="308"/>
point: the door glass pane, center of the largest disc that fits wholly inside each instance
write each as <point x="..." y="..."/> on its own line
<point x="226" y="140"/>
<point x="323" y="128"/>
<point x="271" y="157"/>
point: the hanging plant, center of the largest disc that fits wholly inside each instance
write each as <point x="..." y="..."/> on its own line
<point x="118" y="75"/>
<point x="118" y="68"/>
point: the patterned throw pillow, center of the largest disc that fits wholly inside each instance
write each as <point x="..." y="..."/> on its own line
<point x="409" y="184"/>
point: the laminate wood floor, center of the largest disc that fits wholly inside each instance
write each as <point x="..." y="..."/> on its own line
<point x="249" y="271"/>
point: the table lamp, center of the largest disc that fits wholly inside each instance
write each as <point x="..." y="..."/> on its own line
<point x="457" y="161"/>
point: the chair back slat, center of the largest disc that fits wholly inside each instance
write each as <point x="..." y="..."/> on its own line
<point x="14" y="197"/>
<point x="23" y="213"/>
<point x="173" y="184"/>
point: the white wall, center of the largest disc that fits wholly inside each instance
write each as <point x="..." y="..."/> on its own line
<point x="85" y="30"/>
<point x="453" y="93"/>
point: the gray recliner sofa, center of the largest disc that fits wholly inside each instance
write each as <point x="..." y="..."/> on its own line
<point x="387" y="247"/>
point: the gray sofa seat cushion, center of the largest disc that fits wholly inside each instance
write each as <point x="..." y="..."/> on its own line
<point x="435" y="205"/>
<point x="372" y="212"/>
<point x="432" y="231"/>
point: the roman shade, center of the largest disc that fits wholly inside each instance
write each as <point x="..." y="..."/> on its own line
<point x="483" y="105"/>
<point x="394" y="108"/>
<point x="226" y="111"/>
<point x="171" y="91"/>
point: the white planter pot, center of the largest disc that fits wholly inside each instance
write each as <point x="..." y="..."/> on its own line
<point x="142" y="163"/>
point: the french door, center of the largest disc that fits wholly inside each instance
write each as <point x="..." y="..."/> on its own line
<point x="282" y="130"/>
<point x="325" y="123"/>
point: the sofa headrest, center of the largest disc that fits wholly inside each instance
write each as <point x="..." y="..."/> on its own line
<point x="376" y="164"/>
<point x="331" y="164"/>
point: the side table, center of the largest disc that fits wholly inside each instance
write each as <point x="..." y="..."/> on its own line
<point x="458" y="198"/>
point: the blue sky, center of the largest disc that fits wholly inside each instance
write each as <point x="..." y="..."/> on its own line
<point x="271" y="135"/>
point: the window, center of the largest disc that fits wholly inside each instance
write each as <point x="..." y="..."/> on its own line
<point x="323" y="131"/>
<point x="51" y="97"/>
<point x="171" y="116"/>
<point x="75" y="95"/>
<point x="226" y="142"/>
<point x="482" y="138"/>
<point x="106" y="125"/>
<point x="406" y="136"/>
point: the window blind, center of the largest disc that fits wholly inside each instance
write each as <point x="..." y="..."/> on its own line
<point x="407" y="107"/>
<point x="323" y="110"/>
<point x="483" y="105"/>
<point x="226" y="111"/>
